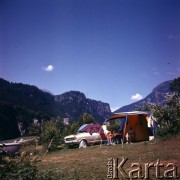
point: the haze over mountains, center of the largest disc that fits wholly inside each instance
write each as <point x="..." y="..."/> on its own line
<point x="23" y="103"/>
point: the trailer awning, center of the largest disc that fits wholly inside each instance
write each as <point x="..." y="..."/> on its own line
<point x="125" y="114"/>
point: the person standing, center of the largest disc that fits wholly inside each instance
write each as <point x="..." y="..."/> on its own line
<point x="129" y="136"/>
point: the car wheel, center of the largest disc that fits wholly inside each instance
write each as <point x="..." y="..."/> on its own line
<point x="83" y="144"/>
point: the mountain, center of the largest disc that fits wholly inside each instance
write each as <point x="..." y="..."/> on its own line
<point x="28" y="97"/>
<point x="21" y="103"/>
<point x="47" y="91"/>
<point x="157" y="96"/>
<point x="74" y="103"/>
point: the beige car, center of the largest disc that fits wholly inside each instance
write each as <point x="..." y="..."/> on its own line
<point x="90" y="135"/>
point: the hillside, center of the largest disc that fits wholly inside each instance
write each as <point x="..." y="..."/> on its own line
<point x="27" y="96"/>
<point x="155" y="97"/>
<point x="22" y="103"/>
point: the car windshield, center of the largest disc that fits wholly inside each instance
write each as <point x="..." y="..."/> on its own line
<point x="80" y="131"/>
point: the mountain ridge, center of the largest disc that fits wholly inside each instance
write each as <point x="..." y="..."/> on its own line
<point x="157" y="96"/>
<point x="21" y="103"/>
<point x="79" y="103"/>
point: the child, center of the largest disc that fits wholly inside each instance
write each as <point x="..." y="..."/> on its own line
<point x="129" y="135"/>
<point x="109" y="137"/>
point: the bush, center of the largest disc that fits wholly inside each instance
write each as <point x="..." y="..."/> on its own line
<point x="51" y="135"/>
<point x="168" y="115"/>
<point x="34" y="130"/>
<point x="22" y="168"/>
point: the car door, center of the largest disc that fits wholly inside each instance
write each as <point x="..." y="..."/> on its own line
<point x="95" y="136"/>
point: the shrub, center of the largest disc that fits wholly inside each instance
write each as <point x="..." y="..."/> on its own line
<point x="168" y="115"/>
<point x="51" y="135"/>
<point x="22" y="168"/>
<point x="34" y="130"/>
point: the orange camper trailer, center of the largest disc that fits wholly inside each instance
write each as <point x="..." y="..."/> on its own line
<point x="136" y="120"/>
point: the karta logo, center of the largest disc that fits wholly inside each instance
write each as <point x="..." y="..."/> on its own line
<point x="116" y="170"/>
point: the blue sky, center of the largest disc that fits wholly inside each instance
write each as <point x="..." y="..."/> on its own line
<point x="115" y="51"/>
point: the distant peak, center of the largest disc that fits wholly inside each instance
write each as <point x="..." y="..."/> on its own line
<point x="47" y="91"/>
<point x="73" y="92"/>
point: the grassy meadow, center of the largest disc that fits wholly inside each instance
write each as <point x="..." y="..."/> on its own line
<point x="91" y="163"/>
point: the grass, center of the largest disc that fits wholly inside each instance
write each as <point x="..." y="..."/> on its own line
<point x="91" y="163"/>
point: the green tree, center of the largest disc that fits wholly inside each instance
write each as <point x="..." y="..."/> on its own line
<point x="51" y="134"/>
<point x="87" y="119"/>
<point x="168" y="115"/>
<point x="34" y="130"/>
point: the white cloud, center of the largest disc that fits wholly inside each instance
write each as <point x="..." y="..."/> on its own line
<point x="136" y="97"/>
<point x="48" y="68"/>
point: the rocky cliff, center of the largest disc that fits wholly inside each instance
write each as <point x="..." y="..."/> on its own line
<point x="74" y="104"/>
